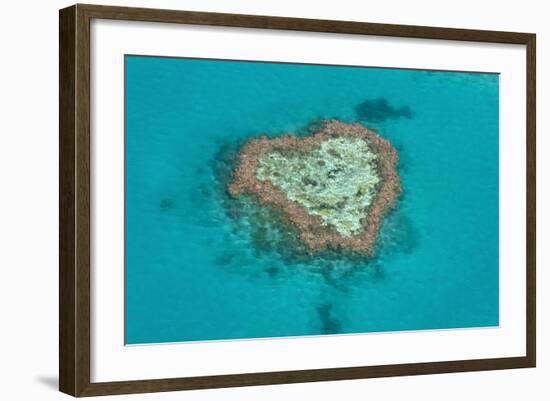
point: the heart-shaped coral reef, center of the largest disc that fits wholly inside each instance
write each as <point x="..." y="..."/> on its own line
<point x="335" y="186"/>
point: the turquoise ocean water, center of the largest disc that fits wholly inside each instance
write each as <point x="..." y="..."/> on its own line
<point x="198" y="268"/>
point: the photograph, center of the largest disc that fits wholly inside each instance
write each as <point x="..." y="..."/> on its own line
<point x="269" y="199"/>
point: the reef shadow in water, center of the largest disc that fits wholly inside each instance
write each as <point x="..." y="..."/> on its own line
<point x="379" y="110"/>
<point x="329" y="324"/>
<point x="166" y="204"/>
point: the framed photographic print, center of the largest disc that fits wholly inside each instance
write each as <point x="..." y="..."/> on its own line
<point x="250" y="200"/>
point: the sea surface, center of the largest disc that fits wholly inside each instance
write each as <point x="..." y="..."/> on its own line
<point x="200" y="266"/>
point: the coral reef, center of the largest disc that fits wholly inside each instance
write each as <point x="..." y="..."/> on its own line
<point x="333" y="186"/>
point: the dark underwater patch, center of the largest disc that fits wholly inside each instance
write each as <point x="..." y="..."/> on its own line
<point x="166" y="204"/>
<point x="379" y="110"/>
<point x="329" y="324"/>
<point x="272" y="271"/>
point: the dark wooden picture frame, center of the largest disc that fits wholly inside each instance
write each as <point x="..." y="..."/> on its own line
<point x="74" y="200"/>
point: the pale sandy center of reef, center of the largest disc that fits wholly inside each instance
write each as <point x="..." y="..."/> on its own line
<point x="334" y="186"/>
<point x="337" y="181"/>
